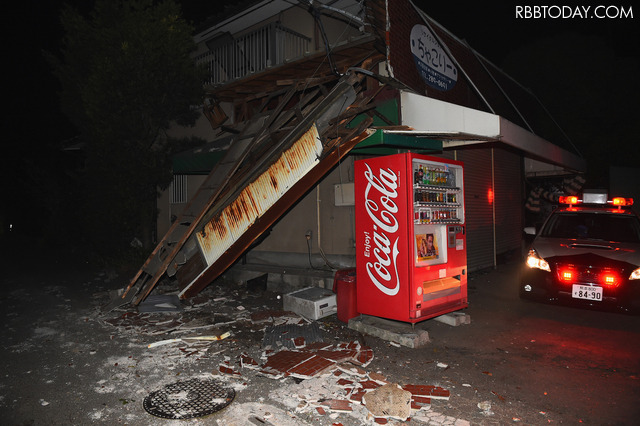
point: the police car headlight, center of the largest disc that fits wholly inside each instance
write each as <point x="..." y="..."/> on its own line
<point x="535" y="261"/>
<point x="635" y="275"/>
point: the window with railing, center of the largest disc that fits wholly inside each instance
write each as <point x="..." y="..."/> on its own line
<point x="230" y="58"/>
<point x="179" y="192"/>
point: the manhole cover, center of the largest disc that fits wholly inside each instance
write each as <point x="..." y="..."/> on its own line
<point x="188" y="399"/>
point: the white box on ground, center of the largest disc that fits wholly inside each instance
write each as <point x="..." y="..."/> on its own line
<point x="312" y="302"/>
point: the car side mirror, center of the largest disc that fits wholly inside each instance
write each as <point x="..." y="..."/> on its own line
<point x="530" y="230"/>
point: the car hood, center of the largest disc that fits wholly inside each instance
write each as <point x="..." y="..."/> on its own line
<point x="558" y="247"/>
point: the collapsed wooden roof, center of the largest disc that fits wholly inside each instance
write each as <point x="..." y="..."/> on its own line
<point x="299" y="131"/>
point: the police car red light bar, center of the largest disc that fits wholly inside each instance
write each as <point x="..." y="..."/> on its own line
<point x="620" y="201"/>
<point x="569" y="199"/>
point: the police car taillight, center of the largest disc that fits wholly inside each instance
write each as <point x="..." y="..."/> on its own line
<point x="567" y="275"/>
<point x="610" y="279"/>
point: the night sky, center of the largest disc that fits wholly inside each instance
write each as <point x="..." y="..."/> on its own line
<point x="34" y="128"/>
<point x="492" y="29"/>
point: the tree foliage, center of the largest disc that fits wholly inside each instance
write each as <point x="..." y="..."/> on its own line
<point x="126" y="75"/>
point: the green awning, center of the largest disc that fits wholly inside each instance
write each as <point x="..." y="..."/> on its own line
<point x="191" y="163"/>
<point x="384" y="142"/>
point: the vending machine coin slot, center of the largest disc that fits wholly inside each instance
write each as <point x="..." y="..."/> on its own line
<point x="451" y="240"/>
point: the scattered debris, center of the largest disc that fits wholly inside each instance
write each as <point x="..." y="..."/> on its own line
<point x="319" y="378"/>
<point x="485" y="406"/>
<point x="312" y="302"/>
<point x="257" y="413"/>
<point x="314" y="359"/>
<point x="389" y="401"/>
<point x="454" y="319"/>
<point x="227" y="369"/>
<point x="342" y="392"/>
<point x="189" y="339"/>
<point x="500" y="397"/>
<point x="291" y="335"/>
<point x="161" y="303"/>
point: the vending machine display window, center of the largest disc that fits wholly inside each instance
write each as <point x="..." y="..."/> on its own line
<point x="428" y="240"/>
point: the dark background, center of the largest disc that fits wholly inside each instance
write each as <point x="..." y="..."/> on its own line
<point x="34" y="130"/>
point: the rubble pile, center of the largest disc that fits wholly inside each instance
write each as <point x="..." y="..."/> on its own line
<point x="314" y="379"/>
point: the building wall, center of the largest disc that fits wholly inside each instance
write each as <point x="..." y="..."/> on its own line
<point x="331" y="226"/>
<point x="167" y="211"/>
<point x="290" y="236"/>
<point x="301" y="21"/>
<point x="494" y="203"/>
<point x="494" y="214"/>
<point x="493" y="178"/>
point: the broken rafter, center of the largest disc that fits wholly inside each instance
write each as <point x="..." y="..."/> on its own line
<point x="380" y="116"/>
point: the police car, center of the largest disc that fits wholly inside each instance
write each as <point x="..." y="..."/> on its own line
<point x="587" y="253"/>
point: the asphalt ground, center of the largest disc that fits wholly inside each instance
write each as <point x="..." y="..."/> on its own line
<point x="516" y="362"/>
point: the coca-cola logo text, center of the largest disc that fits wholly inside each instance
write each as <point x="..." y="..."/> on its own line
<point x="379" y="201"/>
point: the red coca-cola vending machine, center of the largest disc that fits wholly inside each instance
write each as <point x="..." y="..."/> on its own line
<point x="411" y="251"/>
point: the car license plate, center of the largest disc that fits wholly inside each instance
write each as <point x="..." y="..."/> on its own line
<point x="587" y="292"/>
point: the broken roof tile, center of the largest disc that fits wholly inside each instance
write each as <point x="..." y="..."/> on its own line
<point x="286" y="359"/>
<point x="318" y="346"/>
<point x="345" y="382"/>
<point x="337" y="355"/>
<point x="435" y="392"/>
<point x="311" y="367"/>
<point x="364" y="357"/>
<point x="248" y="362"/>
<point x="421" y="400"/>
<point x="368" y="384"/>
<point x="377" y="377"/>
<point x="351" y="369"/>
<point x="228" y="370"/>
<point x="337" y="405"/>
<point x="356" y="396"/>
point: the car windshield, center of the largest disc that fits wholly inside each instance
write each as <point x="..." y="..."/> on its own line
<point x="593" y="226"/>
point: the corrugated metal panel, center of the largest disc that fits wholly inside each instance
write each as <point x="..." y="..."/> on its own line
<point x="508" y="189"/>
<point x="479" y="211"/>
<point x="257" y="197"/>
<point x="215" y="237"/>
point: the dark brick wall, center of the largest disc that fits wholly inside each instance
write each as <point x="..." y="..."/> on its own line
<point x="403" y="17"/>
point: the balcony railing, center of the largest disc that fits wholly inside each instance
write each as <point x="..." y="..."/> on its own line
<point x="230" y="58"/>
